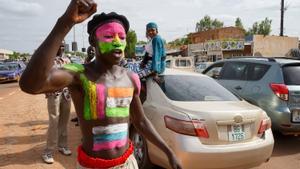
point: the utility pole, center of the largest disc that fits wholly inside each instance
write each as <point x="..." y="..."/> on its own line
<point x="282" y="17"/>
<point x="74" y="43"/>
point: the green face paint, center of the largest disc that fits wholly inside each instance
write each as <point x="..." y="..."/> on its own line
<point x="107" y="47"/>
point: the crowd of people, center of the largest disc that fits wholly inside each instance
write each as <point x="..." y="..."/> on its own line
<point x="105" y="95"/>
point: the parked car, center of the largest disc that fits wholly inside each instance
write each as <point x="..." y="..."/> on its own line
<point x="205" y="124"/>
<point x="11" y="71"/>
<point x="202" y="66"/>
<point x="181" y="63"/>
<point x="270" y="83"/>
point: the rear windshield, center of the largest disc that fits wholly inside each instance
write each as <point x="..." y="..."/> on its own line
<point x="194" y="88"/>
<point x="291" y="74"/>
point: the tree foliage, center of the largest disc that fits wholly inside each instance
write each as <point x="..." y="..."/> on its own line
<point x="131" y="41"/>
<point x="262" y="28"/>
<point x="238" y="23"/>
<point x="207" y="23"/>
<point x="179" y="42"/>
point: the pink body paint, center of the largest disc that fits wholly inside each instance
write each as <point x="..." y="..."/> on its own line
<point x="137" y="81"/>
<point x="100" y="101"/>
<point x="107" y="32"/>
<point x="110" y="145"/>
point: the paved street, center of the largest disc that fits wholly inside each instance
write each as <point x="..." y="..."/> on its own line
<point x="23" y="125"/>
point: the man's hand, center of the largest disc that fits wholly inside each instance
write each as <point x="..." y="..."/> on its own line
<point x="79" y="10"/>
<point x="173" y="161"/>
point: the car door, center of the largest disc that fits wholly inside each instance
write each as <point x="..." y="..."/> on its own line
<point x="234" y="76"/>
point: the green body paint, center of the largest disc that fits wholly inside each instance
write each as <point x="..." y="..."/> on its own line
<point x="117" y="112"/>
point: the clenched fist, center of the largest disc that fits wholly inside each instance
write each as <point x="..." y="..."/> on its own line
<point x="79" y="10"/>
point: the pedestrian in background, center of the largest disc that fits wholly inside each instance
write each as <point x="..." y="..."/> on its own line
<point x="59" y="106"/>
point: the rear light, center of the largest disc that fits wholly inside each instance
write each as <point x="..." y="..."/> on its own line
<point x="264" y="125"/>
<point x="191" y="128"/>
<point x="280" y="90"/>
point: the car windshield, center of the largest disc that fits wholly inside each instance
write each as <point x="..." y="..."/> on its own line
<point x="291" y="74"/>
<point x="8" y="67"/>
<point x="194" y="88"/>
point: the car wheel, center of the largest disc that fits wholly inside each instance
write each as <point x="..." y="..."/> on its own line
<point x="140" y="149"/>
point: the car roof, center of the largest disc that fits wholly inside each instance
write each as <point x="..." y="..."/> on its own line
<point x="169" y="71"/>
<point x="279" y="60"/>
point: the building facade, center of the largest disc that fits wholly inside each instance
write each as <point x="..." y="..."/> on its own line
<point x="217" y="44"/>
<point x="4" y="54"/>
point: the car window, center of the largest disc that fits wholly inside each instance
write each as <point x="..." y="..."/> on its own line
<point x="4" y="67"/>
<point x="214" y="70"/>
<point x="234" y="71"/>
<point x="10" y="66"/>
<point x="291" y="74"/>
<point x="182" y="63"/>
<point x="257" y="71"/>
<point x="168" y="63"/>
<point x="194" y="88"/>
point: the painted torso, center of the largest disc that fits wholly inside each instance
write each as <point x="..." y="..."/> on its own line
<point x="104" y="116"/>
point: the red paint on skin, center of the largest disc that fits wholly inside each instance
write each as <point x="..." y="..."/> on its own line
<point x="107" y="32"/>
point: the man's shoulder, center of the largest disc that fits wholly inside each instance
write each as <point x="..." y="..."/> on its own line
<point x="74" y="67"/>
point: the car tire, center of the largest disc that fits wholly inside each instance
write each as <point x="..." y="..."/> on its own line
<point x="140" y="149"/>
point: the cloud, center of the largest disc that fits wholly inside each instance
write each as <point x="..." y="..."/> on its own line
<point x="20" y="8"/>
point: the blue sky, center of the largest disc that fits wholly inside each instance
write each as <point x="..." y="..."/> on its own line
<point x="26" y="23"/>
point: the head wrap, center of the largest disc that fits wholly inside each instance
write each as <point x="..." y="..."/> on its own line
<point x="151" y="25"/>
<point x="103" y="18"/>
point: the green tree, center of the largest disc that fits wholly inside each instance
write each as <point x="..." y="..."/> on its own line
<point x="131" y="41"/>
<point x="262" y="28"/>
<point x="15" y="56"/>
<point x="238" y="23"/>
<point x="206" y="23"/>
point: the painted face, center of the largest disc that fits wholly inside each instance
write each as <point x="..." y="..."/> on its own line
<point x="111" y="38"/>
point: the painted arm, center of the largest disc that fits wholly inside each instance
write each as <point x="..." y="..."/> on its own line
<point x="39" y="76"/>
<point x="144" y="126"/>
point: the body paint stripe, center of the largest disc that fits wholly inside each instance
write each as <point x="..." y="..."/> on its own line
<point x="117" y="112"/>
<point x="137" y="81"/>
<point x="110" y="137"/>
<point x="118" y="102"/>
<point x="113" y="128"/>
<point x="110" y="145"/>
<point x="100" y="100"/>
<point x="120" y="92"/>
<point x="87" y="110"/>
<point x="93" y="100"/>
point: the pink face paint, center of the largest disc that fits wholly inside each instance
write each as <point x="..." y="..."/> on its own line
<point x="110" y="31"/>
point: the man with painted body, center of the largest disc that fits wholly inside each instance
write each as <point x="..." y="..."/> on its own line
<point x="105" y="96"/>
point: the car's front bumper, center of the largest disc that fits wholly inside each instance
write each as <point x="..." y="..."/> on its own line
<point x="194" y="155"/>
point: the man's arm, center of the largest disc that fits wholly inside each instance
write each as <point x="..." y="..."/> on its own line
<point x="144" y="127"/>
<point x="39" y="76"/>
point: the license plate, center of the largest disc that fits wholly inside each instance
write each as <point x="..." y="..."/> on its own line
<point x="296" y="115"/>
<point x="236" y="133"/>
